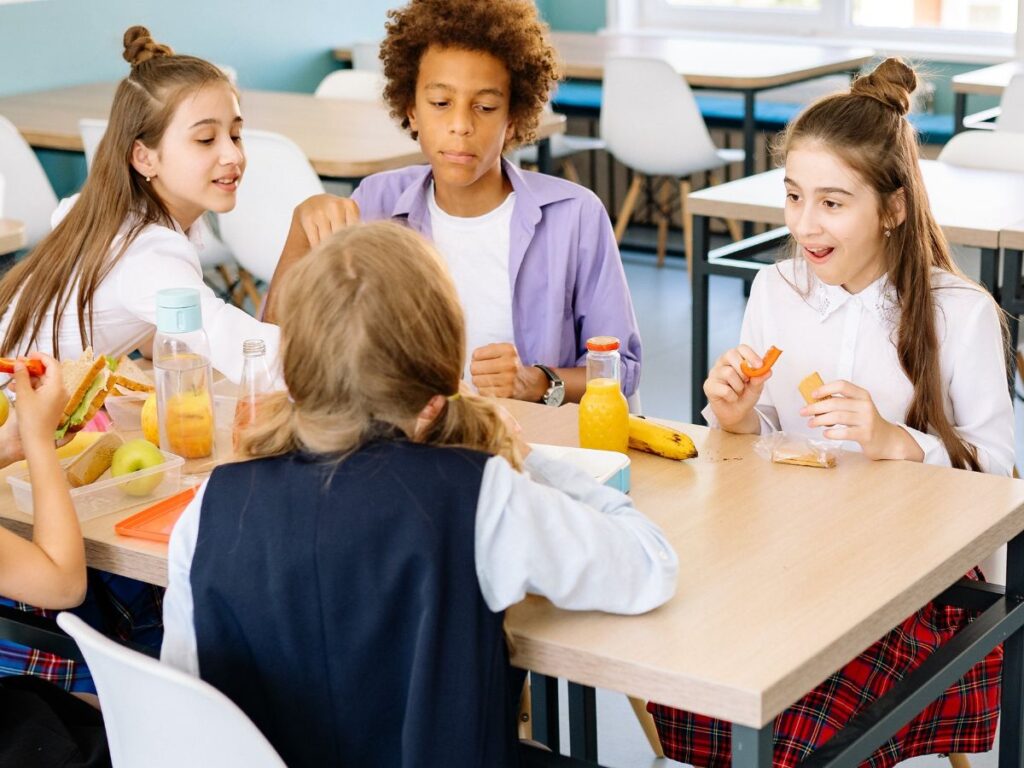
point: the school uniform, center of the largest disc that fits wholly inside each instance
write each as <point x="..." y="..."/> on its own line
<point x="358" y="618"/>
<point x="565" y="277"/>
<point x="852" y="336"/>
<point x="124" y="305"/>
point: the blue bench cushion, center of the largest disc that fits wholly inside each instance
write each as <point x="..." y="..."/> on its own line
<point x="727" y="111"/>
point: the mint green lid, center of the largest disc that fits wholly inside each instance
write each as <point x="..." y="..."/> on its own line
<point x="178" y="310"/>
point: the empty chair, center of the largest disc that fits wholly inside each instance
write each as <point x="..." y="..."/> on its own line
<point x="28" y="196"/>
<point x="160" y="717"/>
<point x="652" y="124"/>
<point x="352" y="84"/>
<point x="366" y="56"/>
<point x="277" y="178"/>
<point x="214" y="254"/>
<point x="563" y="147"/>
<point x="1011" y="106"/>
<point x="1001" y="150"/>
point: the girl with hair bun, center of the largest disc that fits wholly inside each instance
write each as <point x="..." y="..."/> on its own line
<point x="171" y="152"/>
<point x="912" y="354"/>
<point x="382" y="526"/>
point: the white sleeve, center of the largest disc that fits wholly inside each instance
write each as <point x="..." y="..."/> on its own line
<point x="168" y="260"/>
<point x="563" y="536"/>
<point x="982" y="409"/>
<point x="179" y="644"/>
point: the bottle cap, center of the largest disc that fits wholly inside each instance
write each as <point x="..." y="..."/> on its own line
<point x="178" y="310"/>
<point x="602" y="344"/>
<point x="254" y="347"/>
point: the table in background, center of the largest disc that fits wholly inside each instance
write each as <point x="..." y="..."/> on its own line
<point x="786" y="573"/>
<point x="12" y="236"/>
<point x="343" y="139"/>
<point x="989" y="81"/>
<point x="972" y="206"/>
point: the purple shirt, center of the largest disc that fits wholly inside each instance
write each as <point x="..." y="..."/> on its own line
<point x="564" y="267"/>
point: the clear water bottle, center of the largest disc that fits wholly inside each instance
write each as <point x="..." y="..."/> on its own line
<point x="255" y="386"/>
<point x="184" y="378"/>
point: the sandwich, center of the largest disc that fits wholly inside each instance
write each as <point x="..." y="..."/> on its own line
<point x="128" y="377"/>
<point x="87" y="382"/>
<point x="89" y="465"/>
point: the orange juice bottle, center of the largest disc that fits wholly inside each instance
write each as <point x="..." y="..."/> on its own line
<point x="604" y="413"/>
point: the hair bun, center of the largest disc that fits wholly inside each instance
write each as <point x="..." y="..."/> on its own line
<point x="891" y="84"/>
<point x="140" y="47"/>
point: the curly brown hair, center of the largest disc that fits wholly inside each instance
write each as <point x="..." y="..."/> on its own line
<point x="509" y="30"/>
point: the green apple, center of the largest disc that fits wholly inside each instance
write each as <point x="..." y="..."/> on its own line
<point x="132" y="457"/>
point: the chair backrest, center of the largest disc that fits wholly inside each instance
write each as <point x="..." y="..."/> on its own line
<point x="92" y="131"/>
<point x="160" y="717"/>
<point x="1011" y="106"/>
<point x="277" y="178"/>
<point x="991" y="150"/>
<point x="353" y="84"/>
<point x="366" y="56"/>
<point x="650" y="120"/>
<point x="28" y="196"/>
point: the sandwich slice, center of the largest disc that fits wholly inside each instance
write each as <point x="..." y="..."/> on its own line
<point x="128" y="377"/>
<point x="87" y="382"/>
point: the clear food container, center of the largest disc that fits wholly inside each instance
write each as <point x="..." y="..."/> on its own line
<point x="125" y="411"/>
<point x="110" y="494"/>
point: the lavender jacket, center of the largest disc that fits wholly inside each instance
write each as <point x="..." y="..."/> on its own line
<point x="564" y="268"/>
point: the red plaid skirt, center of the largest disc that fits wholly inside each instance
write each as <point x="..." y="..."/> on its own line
<point x="963" y="719"/>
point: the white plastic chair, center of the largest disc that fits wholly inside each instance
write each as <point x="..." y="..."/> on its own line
<point x="652" y="124"/>
<point x="160" y="717"/>
<point x="214" y="255"/>
<point x="28" y="196"/>
<point x="1001" y="150"/>
<point x="1011" y="106"/>
<point x="277" y="178"/>
<point x="366" y="56"/>
<point x="352" y="84"/>
<point x="563" y="147"/>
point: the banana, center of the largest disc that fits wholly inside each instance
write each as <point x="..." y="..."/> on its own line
<point x="664" y="441"/>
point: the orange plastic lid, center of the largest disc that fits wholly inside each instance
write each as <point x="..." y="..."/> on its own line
<point x="156" y="522"/>
<point x="602" y="344"/>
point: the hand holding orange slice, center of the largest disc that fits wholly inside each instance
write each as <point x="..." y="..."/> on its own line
<point x="768" y="361"/>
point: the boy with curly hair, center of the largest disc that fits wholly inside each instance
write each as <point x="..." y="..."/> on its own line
<point x="533" y="256"/>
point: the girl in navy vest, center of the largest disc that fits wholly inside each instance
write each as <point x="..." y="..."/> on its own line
<point x="346" y="585"/>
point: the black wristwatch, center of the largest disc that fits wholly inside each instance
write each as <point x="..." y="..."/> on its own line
<point x="556" y="387"/>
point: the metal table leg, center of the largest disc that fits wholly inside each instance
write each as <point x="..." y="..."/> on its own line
<point x="699" y="320"/>
<point x="959" y="112"/>
<point x="544" y="162"/>
<point x="749" y="146"/>
<point x="1011" y="718"/>
<point x="544" y="702"/>
<point x="582" y="722"/>
<point x="751" y="747"/>
<point x="990" y="270"/>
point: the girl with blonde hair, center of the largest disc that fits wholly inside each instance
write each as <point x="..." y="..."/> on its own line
<point x="912" y="355"/>
<point x="380" y="527"/>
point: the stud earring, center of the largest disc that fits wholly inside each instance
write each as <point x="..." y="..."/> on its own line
<point x="888" y="232"/>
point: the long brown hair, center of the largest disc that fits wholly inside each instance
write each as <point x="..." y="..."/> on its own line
<point x="77" y="253"/>
<point x="868" y="130"/>
<point x="371" y="331"/>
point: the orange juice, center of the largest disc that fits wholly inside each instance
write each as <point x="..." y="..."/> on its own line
<point x="247" y="413"/>
<point x="604" y="416"/>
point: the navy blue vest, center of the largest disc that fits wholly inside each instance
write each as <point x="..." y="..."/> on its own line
<point x="339" y="607"/>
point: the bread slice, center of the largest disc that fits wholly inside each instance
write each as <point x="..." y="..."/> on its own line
<point x="93" y="461"/>
<point x="128" y="377"/>
<point x="86" y="377"/>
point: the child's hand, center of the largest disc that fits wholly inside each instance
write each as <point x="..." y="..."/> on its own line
<point x="10" y="441"/>
<point x="731" y="394"/>
<point x="853" y="416"/>
<point x="40" y="402"/>
<point x="320" y="216"/>
<point x="497" y="371"/>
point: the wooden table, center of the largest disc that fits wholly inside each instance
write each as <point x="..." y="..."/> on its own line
<point x="342" y="139"/>
<point x="972" y="206"/>
<point x="722" y="65"/>
<point x="12" y="235"/>
<point x="989" y="81"/>
<point x="786" y="573"/>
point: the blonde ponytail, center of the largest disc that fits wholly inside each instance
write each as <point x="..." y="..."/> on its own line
<point x="470" y="421"/>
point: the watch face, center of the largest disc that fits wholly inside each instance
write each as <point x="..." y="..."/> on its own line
<point x="555" y="396"/>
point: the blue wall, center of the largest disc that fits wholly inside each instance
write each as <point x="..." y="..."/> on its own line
<point x="573" y="15"/>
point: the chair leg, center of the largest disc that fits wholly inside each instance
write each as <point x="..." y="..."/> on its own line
<point x="525" y="721"/>
<point x="959" y="760"/>
<point x="734" y="227"/>
<point x="250" y="288"/>
<point x="663" y="216"/>
<point x="232" y="286"/>
<point x="684" y="206"/>
<point x="569" y="171"/>
<point x="647" y="723"/>
<point x="627" y="207"/>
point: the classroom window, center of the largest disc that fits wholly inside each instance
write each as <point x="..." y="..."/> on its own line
<point x="764" y="4"/>
<point x="967" y="15"/>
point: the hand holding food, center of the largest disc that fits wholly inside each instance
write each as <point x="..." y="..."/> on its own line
<point x="848" y="413"/>
<point x="35" y="366"/>
<point x="40" y="401"/>
<point x="766" y="364"/>
<point x="808" y="386"/>
<point x="732" y="394"/>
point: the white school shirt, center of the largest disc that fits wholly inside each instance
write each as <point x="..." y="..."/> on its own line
<point x="560" y="535"/>
<point x="124" y="304"/>
<point x="477" y="252"/>
<point x="852" y="336"/>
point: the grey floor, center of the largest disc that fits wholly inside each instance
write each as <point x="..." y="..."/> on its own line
<point x="662" y="301"/>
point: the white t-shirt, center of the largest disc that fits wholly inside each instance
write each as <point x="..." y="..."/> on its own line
<point x="124" y="304"/>
<point x="477" y="250"/>
<point x="852" y="336"/>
